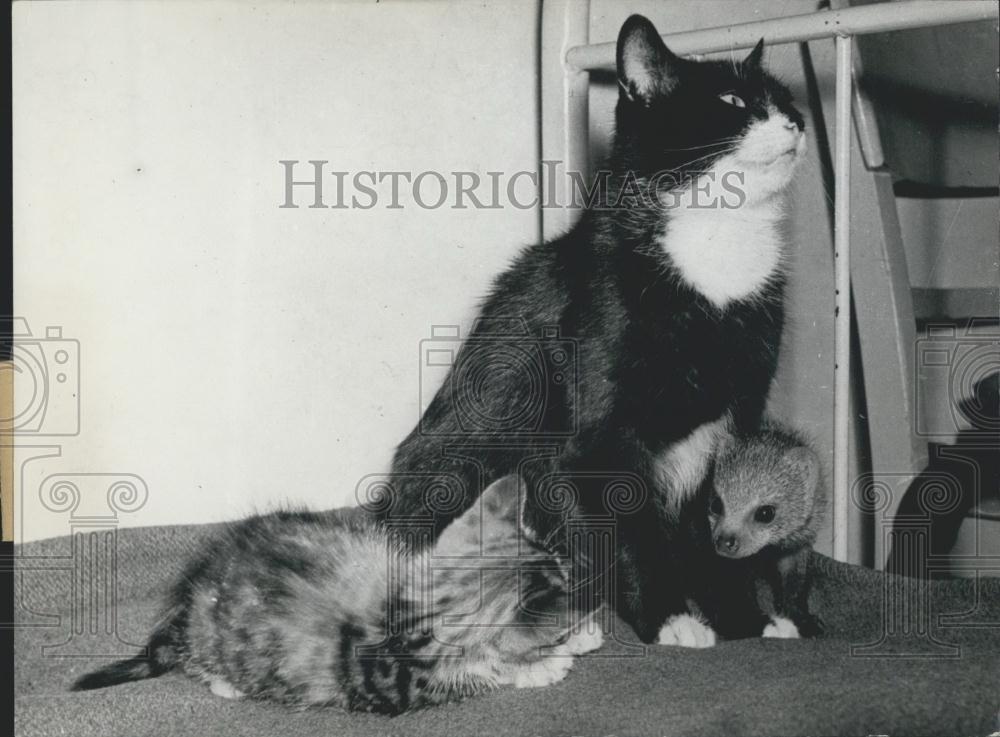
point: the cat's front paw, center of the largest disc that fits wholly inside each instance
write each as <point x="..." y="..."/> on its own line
<point x="781" y="627"/>
<point x="685" y="630"/>
<point x="543" y="672"/>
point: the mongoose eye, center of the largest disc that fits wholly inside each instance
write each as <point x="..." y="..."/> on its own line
<point x="730" y="99"/>
<point x="764" y="514"/>
<point x="715" y="506"/>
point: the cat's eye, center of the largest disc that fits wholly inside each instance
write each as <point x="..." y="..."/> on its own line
<point x="715" y="506"/>
<point x="764" y="514"/>
<point x="730" y="99"/>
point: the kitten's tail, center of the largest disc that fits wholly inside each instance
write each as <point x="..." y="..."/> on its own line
<point x="162" y="657"/>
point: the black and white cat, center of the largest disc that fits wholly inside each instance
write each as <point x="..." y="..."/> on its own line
<point x="627" y="347"/>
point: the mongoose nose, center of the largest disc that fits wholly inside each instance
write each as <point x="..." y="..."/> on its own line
<point x="727" y="544"/>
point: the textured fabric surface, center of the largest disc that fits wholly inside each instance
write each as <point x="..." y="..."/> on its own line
<point x="948" y="685"/>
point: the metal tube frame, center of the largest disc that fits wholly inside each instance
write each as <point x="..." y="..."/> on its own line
<point x="842" y="300"/>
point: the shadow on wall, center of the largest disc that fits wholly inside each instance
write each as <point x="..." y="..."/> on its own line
<point x="934" y="91"/>
<point x="960" y="478"/>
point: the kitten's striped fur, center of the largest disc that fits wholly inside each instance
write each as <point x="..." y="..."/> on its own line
<point x="324" y="609"/>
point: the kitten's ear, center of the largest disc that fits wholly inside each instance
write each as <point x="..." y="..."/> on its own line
<point x="495" y="514"/>
<point x="646" y="67"/>
<point x="755" y="57"/>
<point x="461" y="533"/>
<point x="500" y="500"/>
<point x="805" y="464"/>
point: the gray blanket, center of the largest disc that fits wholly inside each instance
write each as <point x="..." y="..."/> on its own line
<point x="899" y="658"/>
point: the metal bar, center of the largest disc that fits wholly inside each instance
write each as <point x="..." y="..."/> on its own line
<point x="565" y="112"/>
<point x="842" y="311"/>
<point x="864" y="112"/>
<point x="894" y="16"/>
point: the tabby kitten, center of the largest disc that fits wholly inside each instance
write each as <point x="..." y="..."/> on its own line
<point x="324" y="609"/>
<point x="628" y="346"/>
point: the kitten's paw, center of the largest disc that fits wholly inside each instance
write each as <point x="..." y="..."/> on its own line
<point x="781" y="627"/>
<point x="685" y="630"/>
<point x="585" y="640"/>
<point x="543" y="672"/>
<point x="225" y="689"/>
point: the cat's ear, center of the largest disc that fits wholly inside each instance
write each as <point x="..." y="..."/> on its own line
<point x="755" y="57"/>
<point x="805" y="465"/>
<point x="646" y="67"/>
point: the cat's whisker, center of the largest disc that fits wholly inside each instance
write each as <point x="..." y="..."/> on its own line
<point x="557" y="530"/>
<point x="719" y="142"/>
<point x="588" y="581"/>
<point x="727" y="148"/>
<point x="719" y="154"/>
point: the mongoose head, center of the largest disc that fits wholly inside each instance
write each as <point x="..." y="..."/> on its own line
<point x="765" y="492"/>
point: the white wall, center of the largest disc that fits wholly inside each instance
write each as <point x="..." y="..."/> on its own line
<point x="233" y="353"/>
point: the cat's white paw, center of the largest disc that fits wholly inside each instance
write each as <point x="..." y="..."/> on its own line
<point x="686" y="630"/>
<point x="543" y="672"/>
<point x="585" y="640"/>
<point x="225" y="689"/>
<point x="781" y="627"/>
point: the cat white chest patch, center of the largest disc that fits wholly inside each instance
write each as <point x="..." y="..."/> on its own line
<point x="725" y="254"/>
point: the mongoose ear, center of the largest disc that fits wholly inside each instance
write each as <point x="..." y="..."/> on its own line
<point x="805" y="463"/>
<point x="646" y="67"/>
